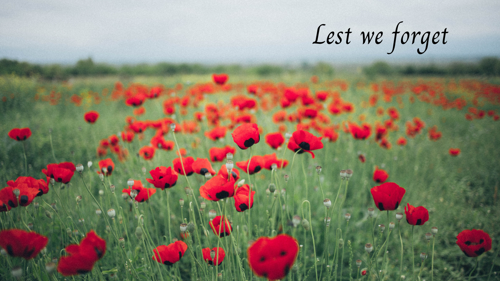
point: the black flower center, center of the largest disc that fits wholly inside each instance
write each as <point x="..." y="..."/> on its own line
<point x="304" y="145"/>
<point x="221" y="195"/>
<point x="249" y="142"/>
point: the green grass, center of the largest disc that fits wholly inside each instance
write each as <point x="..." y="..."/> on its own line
<point x="459" y="192"/>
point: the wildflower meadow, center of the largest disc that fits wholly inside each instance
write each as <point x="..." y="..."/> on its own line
<point x="240" y="177"/>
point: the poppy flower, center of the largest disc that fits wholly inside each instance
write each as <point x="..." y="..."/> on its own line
<point x="474" y="242"/>
<point x="401" y="141"/>
<point x="26" y="195"/>
<point x="304" y="141"/>
<point x="163" y="177"/>
<point x="186" y="165"/>
<point x="217" y="188"/>
<point x="273" y="258"/>
<point x="82" y="257"/>
<point x="220" y="79"/>
<point x="379" y="175"/>
<point x="216" y="133"/>
<point x="275" y="140"/>
<point x="454" y="151"/>
<point x="62" y="172"/>
<point x="271" y="159"/>
<point x="20" y="134"/>
<point x="40" y="185"/>
<point x="23" y="244"/>
<point x="136" y="100"/>
<point x="91" y="116"/>
<point x="141" y="193"/>
<point x="387" y="196"/>
<point x="256" y="164"/>
<point x="246" y="135"/>
<point x="360" y="132"/>
<point x="241" y="198"/>
<point x="416" y="216"/>
<point x="219" y="255"/>
<point x="128" y="136"/>
<point x="113" y="140"/>
<point x="202" y="166"/>
<point x="219" y="154"/>
<point x="219" y="228"/>
<point x="159" y="142"/>
<point x="108" y="164"/>
<point x="234" y="172"/>
<point x="168" y="255"/>
<point x="147" y="152"/>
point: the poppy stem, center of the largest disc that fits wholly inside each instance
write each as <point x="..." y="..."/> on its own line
<point x="249" y="194"/>
<point x="312" y="236"/>
<point x="401" y="239"/>
<point x="25" y="159"/>
<point x="52" y="146"/>
<point x="412" y="253"/>
<point x="474" y="268"/>
<point x="493" y="264"/>
<point x="432" y="258"/>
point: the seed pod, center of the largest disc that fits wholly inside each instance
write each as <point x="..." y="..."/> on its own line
<point x="295" y="221"/>
<point x="130" y="183"/>
<point x="274" y="166"/>
<point x="121" y="241"/>
<point x="399" y="216"/>
<point x="229" y="156"/>
<point x="241" y="183"/>
<point x="101" y="177"/>
<point x="392" y="225"/>
<point x="212" y="214"/>
<point x="286" y="177"/>
<point x="229" y="166"/>
<point x="434" y="230"/>
<point x="327" y="221"/>
<point x="348" y="173"/>
<point x="368" y="247"/>
<point x="423" y="256"/>
<point x="125" y="196"/>
<point x="318" y="169"/>
<point x="212" y="254"/>
<point x="79" y="168"/>
<point x="172" y="127"/>
<point x="78" y="199"/>
<point x="16" y="271"/>
<point x="37" y="205"/>
<point x="98" y="212"/>
<point x="342" y="174"/>
<point x="30" y="226"/>
<point x="347" y="216"/>
<point x="111" y="213"/>
<point x="181" y="202"/>
<point x="183" y="227"/>
<point x="16" y="192"/>
<point x="359" y="262"/>
<point x="50" y="267"/>
<point x="328" y="203"/>
<point x="428" y="236"/>
<point x="112" y="188"/>
<point x="371" y="212"/>
<point x="101" y="192"/>
<point x="268" y="192"/>
<point x="381" y="227"/>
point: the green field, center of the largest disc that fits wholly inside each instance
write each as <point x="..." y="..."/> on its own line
<point x="459" y="192"/>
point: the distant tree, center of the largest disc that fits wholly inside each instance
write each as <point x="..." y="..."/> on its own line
<point x="490" y="66"/>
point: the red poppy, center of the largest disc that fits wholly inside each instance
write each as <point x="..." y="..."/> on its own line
<point x="128" y="136"/>
<point x="168" y="255"/>
<point x="147" y="152"/>
<point x="216" y="133"/>
<point x="271" y="159"/>
<point x="218" y="187"/>
<point x="23" y="244"/>
<point x="220" y="79"/>
<point x="234" y="172"/>
<point x="273" y="258"/>
<point x="416" y="216"/>
<point x="108" y="164"/>
<point x="40" y="185"/>
<point x="26" y="195"/>
<point x="113" y="140"/>
<point x="186" y="165"/>
<point x="20" y="134"/>
<point x="159" y="142"/>
<point x="360" y="132"/>
<point x="474" y="242"/>
<point x="62" y="172"/>
<point x="163" y="177"/>
<point x="141" y="193"/>
<point x="219" y="154"/>
<point x="454" y="151"/>
<point x="246" y="135"/>
<point x="202" y="166"/>
<point x="256" y="164"/>
<point x="379" y="175"/>
<point x="136" y="100"/>
<point x="82" y="257"/>
<point x="241" y="198"/>
<point x="401" y="141"/>
<point x="219" y="228"/>
<point x="387" y="196"/>
<point x="304" y="141"/>
<point x="91" y="116"/>
<point x="330" y="134"/>
<point x="219" y="255"/>
<point x="275" y="140"/>
<point x="362" y="158"/>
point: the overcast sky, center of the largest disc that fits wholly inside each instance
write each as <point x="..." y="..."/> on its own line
<point x="212" y="31"/>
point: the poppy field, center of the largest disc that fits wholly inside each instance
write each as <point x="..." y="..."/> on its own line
<point x="230" y="177"/>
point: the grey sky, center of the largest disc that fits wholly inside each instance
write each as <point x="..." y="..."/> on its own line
<point x="127" y="31"/>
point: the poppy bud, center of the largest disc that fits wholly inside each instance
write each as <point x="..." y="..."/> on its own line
<point x="392" y="225"/>
<point x="423" y="256"/>
<point x="347" y="216"/>
<point x="341" y="243"/>
<point x="111" y="213"/>
<point x="295" y="220"/>
<point x="68" y="231"/>
<point x="79" y="168"/>
<point x="274" y="166"/>
<point x="203" y="205"/>
<point x="229" y="156"/>
<point x="124" y="196"/>
<point x="172" y="127"/>
<point x="183" y="227"/>
<point x="348" y="173"/>
<point x="327" y="203"/>
<point x="187" y="190"/>
<point x="16" y="192"/>
<point x="50" y="267"/>
<point x="138" y="232"/>
<point x="48" y="214"/>
<point x="371" y="212"/>
<point x="368" y="247"/>
<point x="403" y="277"/>
<point x="78" y="199"/>
<point x="98" y="212"/>
<point x="212" y="214"/>
<point x="101" y="192"/>
<point x="434" y="230"/>
<point x="112" y="188"/>
<point x="190" y="227"/>
<point x="305" y="224"/>
<point x="17" y="271"/>
<point x="287" y="177"/>
<point x="130" y="183"/>
<point x="327" y="221"/>
<point x="342" y="174"/>
<point x="318" y="169"/>
<point x="382" y="227"/>
<point x="89" y="164"/>
<point x="272" y="187"/>
<point x="399" y="216"/>
<point x="363" y="272"/>
<point x="101" y="177"/>
<point x="181" y="202"/>
<point x="268" y="192"/>
<point x="241" y="183"/>
<point x="359" y="262"/>
<point x="428" y="236"/>
<point x="219" y="275"/>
